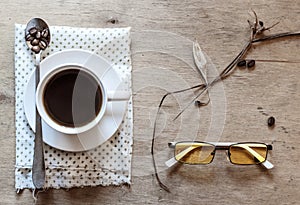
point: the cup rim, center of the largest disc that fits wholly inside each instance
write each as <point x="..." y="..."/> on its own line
<point x="42" y="110"/>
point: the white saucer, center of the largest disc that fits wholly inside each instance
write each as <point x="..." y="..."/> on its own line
<point x="112" y="118"/>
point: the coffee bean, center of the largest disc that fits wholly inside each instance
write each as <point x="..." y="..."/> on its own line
<point x="251" y="63"/>
<point x="271" y="121"/>
<point x="38" y="35"/>
<point x="36" y="49"/>
<point x="241" y="63"/>
<point x="43" y="44"/>
<point x="35" y="42"/>
<point x="29" y="37"/>
<point x="33" y="31"/>
<point x="45" y="33"/>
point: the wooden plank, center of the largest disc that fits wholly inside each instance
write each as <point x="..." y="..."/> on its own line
<point x="271" y="89"/>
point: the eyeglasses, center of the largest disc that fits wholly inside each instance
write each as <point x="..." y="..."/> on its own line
<point x="244" y="153"/>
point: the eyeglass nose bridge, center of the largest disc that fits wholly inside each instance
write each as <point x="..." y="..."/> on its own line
<point x="228" y="154"/>
<point x="213" y="153"/>
<point x="224" y="147"/>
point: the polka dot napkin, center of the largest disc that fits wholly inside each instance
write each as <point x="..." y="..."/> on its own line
<point x="108" y="164"/>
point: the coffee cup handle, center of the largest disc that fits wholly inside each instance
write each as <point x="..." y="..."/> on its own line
<point x="118" y="95"/>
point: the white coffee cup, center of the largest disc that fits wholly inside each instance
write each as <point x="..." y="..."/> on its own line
<point x="79" y="88"/>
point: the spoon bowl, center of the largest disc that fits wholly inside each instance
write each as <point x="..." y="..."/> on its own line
<point x="37" y="35"/>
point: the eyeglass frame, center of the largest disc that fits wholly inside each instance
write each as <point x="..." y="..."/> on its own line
<point x="221" y="146"/>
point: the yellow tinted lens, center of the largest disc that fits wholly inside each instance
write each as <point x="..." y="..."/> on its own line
<point x="194" y="152"/>
<point x="248" y="153"/>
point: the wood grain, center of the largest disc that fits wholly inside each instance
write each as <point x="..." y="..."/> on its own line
<point x="162" y="62"/>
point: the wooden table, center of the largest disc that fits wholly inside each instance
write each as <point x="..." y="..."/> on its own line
<point x="161" y="34"/>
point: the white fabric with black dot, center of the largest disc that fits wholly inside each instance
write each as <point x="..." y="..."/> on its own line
<point x="108" y="164"/>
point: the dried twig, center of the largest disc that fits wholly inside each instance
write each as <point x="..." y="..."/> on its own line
<point x="257" y="30"/>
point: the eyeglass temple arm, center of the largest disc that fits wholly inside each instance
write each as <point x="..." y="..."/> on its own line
<point x="171" y="162"/>
<point x="267" y="164"/>
<point x="184" y="152"/>
<point x="252" y="152"/>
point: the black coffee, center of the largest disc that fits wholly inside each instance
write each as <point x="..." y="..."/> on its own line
<point x="72" y="98"/>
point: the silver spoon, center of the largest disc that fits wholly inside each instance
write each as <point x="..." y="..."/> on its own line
<point x="37" y="36"/>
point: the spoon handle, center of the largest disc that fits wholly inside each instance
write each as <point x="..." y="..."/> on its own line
<point x="38" y="167"/>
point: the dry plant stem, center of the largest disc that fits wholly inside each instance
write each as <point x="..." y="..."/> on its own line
<point x="276" y="36"/>
<point x="230" y="68"/>
<point x="221" y="76"/>
<point x="274" y="61"/>
<point x="225" y="73"/>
